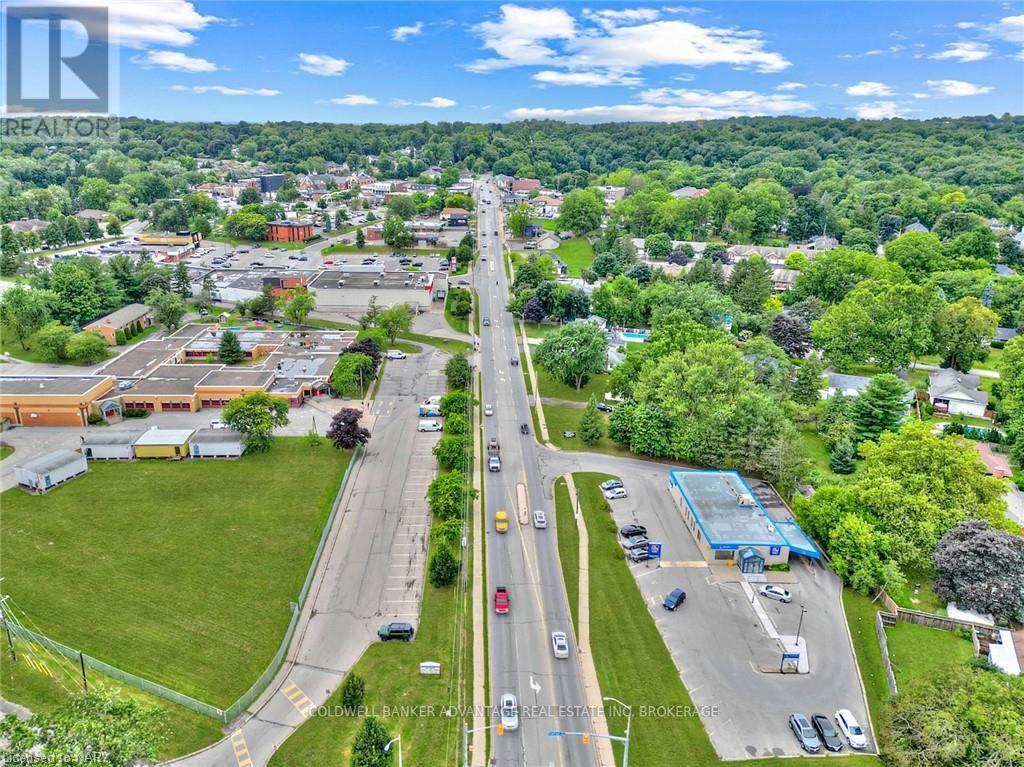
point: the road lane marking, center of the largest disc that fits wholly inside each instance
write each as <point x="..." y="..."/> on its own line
<point x="298" y="698"/>
<point x="241" y="749"/>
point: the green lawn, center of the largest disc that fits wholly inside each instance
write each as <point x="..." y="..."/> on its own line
<point x="187" y="731"/>
<point x="568" y="548"/>
<point x="9" y="345"/>
<point x="458" y="324"/>
<point x="632" y="661"/>
<point x="860" y="617"/>
<point x="5" y="450"/>
<point x="818" y="453"/>
<point x="180" y="572"/>
<point x="547" y="224"/>
<point x="561" y="418"/>
<point x="918" y="651"/>
<point x="536" y="330"/>
<point x="919" y="594"/>
<point x="450" y="345"/>
<point x="549" y="387"/>
<point x="577" y="254"/>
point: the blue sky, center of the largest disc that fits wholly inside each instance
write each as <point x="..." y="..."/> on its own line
<point x="588" y="62"/>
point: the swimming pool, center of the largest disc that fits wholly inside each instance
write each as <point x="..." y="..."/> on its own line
<point x="635" y="335"/>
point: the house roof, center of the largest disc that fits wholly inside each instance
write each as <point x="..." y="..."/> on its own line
<point x="51" y="461"/>
<point x="1005" y="334"/>
<point x="229" y="377"/>
<point x="99" y="215"/>
<point x="52" y="386"/>
<point x="952" y="384"/>
<point x="216" y="435"/>
<point x="27" y="225"/>
<point x="687" y="192"/>
<point x="844" y="383"/>
<point x="123" y="316"/>
<point x="917" y="226"/>
<point x="110" y="437"/>
<point x="157" y="437"/>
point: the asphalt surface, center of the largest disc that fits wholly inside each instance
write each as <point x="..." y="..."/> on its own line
<point x="371" y="572"/>
<point x="549" y="690"/>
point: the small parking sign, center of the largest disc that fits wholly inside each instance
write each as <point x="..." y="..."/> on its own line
<point x="653" y="550"/>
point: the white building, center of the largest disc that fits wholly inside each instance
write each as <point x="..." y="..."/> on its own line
<point x="110" y="444"/>
<point x="217" y="443"/>
<point x="49" y="470"/>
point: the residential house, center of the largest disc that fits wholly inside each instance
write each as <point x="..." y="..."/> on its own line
<point x="455" y="216"/>
<point x="847" y="385"/>
<point x="164" y="443"/>
<point x="1004" y="334"/>
<point x="612" y="194"/>
<point x="821" y="244"/>
<point x="27" y="225"/>
<point x="689" y="192"/>
<point x="784" y="279"/>
<point x="548" y="241"/>
<point x="91" y="213"/>
<point x="526" y="185"/>
<point x="121" y="320"/>
<point x="546" y="205"/>
<point x="47" y="471"/>
<point x="917" y="226"/>
<point x="956" y="393"/>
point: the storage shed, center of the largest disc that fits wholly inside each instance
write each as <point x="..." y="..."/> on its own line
<point x="110" y="444"/>
<point x="49" y="470"/>
<point x="217" y="443"/>
<point x="163" y="443"/>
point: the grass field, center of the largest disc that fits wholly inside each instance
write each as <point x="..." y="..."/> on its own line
<point x="818" y="453"/>
<point x="577" y="254"/>
<point x="547" y="224"/>
<point x="568" y="548"/>
<point x="549" y="387"/>
<point x="536" y="330"/>
<point x="632" y="661"/>
<point x="560" y="418"/>
<point x="5" y="450"/>
<point x="180" y="572"/>
<point x="458" y="324"/>
<point x="919" y="594"/>
<point x="918" y="651"/>
<point x="860" y="617"/>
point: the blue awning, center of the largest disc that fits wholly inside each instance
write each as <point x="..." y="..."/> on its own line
<point x="798" y="540"/>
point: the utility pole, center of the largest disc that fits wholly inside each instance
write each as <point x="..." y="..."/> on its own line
<point x="629" y="722"/>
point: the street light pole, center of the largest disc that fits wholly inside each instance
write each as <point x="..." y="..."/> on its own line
<point x="387" y="748"/>
<point x="629" y="722"/>
<point x="800" y="625"/>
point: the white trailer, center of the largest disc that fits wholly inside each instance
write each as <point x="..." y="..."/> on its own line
<point x="49" y="470"/>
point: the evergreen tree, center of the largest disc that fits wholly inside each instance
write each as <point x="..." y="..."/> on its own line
<point x="92" y="229"/>
<point x="807" y="383"/>
<point x="119" y="338"/>
<point x="368" y="748"/>
<point x="360" y="239"/>
<point x="444" y="568"/>
<point x="591" y="426"/>
<point x="230" y="348"/>
<point x="339" y="222"/>
<point x="9" y="250"/>
<point x="842" y="459"/>
<point x="880" y="407"/>
<point x="114" y="227"/>
<point x="182" y="282"/>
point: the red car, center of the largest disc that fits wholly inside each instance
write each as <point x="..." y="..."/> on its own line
<point x="501" y="603"/>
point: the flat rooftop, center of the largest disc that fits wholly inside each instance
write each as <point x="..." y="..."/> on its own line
<point x="310" y="366"/>
<point x="356" y="280"/>
<point x="48" y="385"/>
<point x="728" y="512"/>
<point x="141" y="360"/>
<point x="237" y="377"/>
<point x="157" y="436"/>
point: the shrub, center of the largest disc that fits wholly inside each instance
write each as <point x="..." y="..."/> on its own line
<point x="119" y="338"/>
<point x="444" y="568"/>
<point x="136" y="413"/>
<point x="353" y="692"/>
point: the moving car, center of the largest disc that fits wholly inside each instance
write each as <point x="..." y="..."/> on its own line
<point x="604" y="408"/>
<point x="395" y="354"/>
<point x="486" y="322"/>
<point x="804" y="733"/>
<point x="851" y="729"/>
<point x="826" y="732"/>
<point x="674" y="599"/>
<point x="615" y="492"/>
<point x="509" y="712"/>
<point x="560" y="644"/>
<point x="771" y="591"/>
<point x="429" y="426"/>
<point x="629" y="530"/>
<point x="488" y="409"/>
<point x="389" y="631"/>
<point x="501" y="602"/>
<point x="494" y="463"/>
<point x="540" y="520"/>
<point x="501" y="521"/>
<point x="611" y="484"/>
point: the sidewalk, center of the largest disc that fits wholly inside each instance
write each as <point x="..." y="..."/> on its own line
<point x="544" y="436"/>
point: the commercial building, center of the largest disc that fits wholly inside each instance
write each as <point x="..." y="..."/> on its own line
<point x="289" y="231"/>
<point x="189" y="240"/>
<point x="47" y="471"/>
<point x="729" y="523"/>
<point x="52" y="400"/>
<point x="347" y="291"/>
<point x="164" y="443"/>
<point x="121" y="320"/>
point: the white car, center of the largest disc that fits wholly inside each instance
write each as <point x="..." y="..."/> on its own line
<point x="560" y="644"/>
<point x="509" y="712"/>
<point x="615" y="492"/>
<point x="218" y="424"/>
<point x="771" y="591"/>
<point x="488" y="409"/>
<point x="852" y="731"/>
<point x="429" y="426"/>
<point x="540" y="520"/>
<point x="395" y="354"/>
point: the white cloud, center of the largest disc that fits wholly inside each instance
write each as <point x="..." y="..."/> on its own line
<point x="892" y="49"/>
<point x="225" y="90"/>
<point x="435" y="102"/>
<point x="137" y="24"/>
<point x="401" y="34"/>
<point x="620" y="41"/>
<point x="743" y="102"/>
<point x="963" y="52"/>
<point x="353" y="100"/>
<point x="956" y="88"/>
<point x="789" y="86"/>
<point x="869" y="88"/>
<point x="878" y="110"/>
<point x="322" y="64"/>
<point x="176" y="61"/>
<point x="588" y="79"/>
<point x="921" y="95"/>
<point x="1009" y="29"/>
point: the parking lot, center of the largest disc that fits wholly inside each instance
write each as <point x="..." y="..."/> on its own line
<point x="727" y="660"/>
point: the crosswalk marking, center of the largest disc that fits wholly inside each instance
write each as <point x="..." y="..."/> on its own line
<point x="298" y="698"/>
<point x="241" y="749"/>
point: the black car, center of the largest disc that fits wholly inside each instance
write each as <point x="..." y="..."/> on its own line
<point x="628" y="531"/>
<point x="827" y="732"/>
<point x="604" y="408"/>
<point x="674" y="599"/>
<point x="402" y="631"/>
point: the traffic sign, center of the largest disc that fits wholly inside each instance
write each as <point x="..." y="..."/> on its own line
<point x="653" y="550"/>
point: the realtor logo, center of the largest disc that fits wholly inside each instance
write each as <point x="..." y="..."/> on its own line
<point x="57" y="59"/>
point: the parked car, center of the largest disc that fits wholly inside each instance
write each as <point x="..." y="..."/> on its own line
<point x="604" y="408"/>
<point x="509" y="712"/>
<point x="501" y="521"/>
<point x="771" y="591"/>
<point x="674" y="599"/>
<point x="615" y="492"/>
<point x="627" y="531"/>
<point x="417" y="263"/>
<point x="429" y="426"/>
<point x="402" y="631"/>
<point x="826" y="732"/>
<point x="635" y="542"/>
<point x="395" y="354"/>
<point x="501" y="601"/>
<point x="463" y="282"/>
<point x="611" y="484"/>
<point x="540" y="520"/>
<point x="851" y="729"/>
<point x="218" y="424"/>
<point x="638" y="555"/>
<point x="560" y="644"/>
<point x="804" y="733"/>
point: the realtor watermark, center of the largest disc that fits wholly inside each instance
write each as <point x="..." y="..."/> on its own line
<point x="59" y="76"/>
<point x="428" y="711"/>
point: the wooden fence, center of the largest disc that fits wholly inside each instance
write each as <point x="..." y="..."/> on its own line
<point x="883" y="619"/>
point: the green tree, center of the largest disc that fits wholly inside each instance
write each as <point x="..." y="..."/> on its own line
<point x="919" y="253"/>
<point x="297" y="303"/>
<point x="573" y="353"/>
<point x="23" y="311"/>
<point x="249" y="196"/>
<point x="807" y="382"/>
<point x="395" y="233"/>
<point x="230" y="348"/>
<point x="458" y="372"/>
<point x="842" y="458"/>
<point x="450" y="451"/>
<point x="246" y="225"/>
<point x="360" y="238"/>
<point x="518" y="219"/>
<point x="962" y="332"/>
<point x="832" y="275"/>
<point x="750" y="283"/>
<point x="86" y="347"/>
<point x="581" y="211"/>
<point x="52" y="341"/>
<point x="120" y="338"/>
<point x="353" y="692"/>
<point x="92" y="229"/>
<point x="352" y="374"/>
<point x="78" y="301"/>
<point x="591" y="427"/>
<point x="255" y="416"/>
<point x="168" y="308"/>
<point x="658" y="246"/>
<point x="394" y="321"/>
<point x="181" y="281"/>
<point x="368" y="746"/>
<point x="881" y="407"/>
<point x="10" y="250"/>
<point x="446" y="495"/>
<point x="443" y="568"/>
<point x="72" y="231"/>
<point x="114" y="228"/>
<point x="402" y="206"/>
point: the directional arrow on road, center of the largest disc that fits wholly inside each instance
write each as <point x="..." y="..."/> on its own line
<point x="534" y="685"/>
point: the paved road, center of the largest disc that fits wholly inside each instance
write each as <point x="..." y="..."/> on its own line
<point x="372" y="571"/>
<point x="525" y="559"/>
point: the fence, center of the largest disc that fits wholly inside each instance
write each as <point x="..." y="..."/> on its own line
<point x="883" y="642"/>
<point x="246" y="699"/>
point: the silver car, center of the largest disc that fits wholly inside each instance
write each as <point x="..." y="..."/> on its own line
<point x="540" y="520"/>
<point x="771" y="591"/>
<point x="509" y="712"/>
<point x="560" y="644"/>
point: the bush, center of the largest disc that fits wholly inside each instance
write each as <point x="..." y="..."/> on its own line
<point x="444" y="568"/>
<point x="119" y="338"/>
<point x="96" y="419"/>
<point x="136" y="414"/>
<point x="353" y="692"/>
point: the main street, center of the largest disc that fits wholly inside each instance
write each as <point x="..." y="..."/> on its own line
<point x="549" y="690"/>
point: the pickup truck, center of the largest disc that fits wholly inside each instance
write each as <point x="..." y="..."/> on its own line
<point x="493" y="448"/>
<point x="501" y="602"/>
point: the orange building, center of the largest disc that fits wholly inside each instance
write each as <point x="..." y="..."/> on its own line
<point x="289" y="231"/>
<point x="51" y="400"/>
